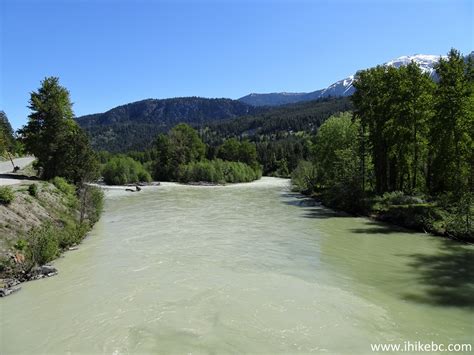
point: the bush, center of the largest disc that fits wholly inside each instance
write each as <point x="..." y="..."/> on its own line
<point x="43" y="244"/>
<point x="71" y="233"/>
<point x="397" y="198"/>
<point x="218" y="171"/>
<point x="21" y="245"/>
<point x="69" y="191"/>
<point x="6" y="195"/>
<point x="92" y="203"/>
<point x="63" y="186"/>
<point x="304" y="177"/>
<point x="121" y="170"/>
<point x="33" y="190"/>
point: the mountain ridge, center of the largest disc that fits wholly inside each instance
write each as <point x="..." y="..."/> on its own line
<point x="339" y="88"/>
<point x="125" y="127"/>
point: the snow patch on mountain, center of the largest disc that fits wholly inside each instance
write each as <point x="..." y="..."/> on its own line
<point x="342" y="87"/>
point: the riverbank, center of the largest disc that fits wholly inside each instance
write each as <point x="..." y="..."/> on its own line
<point x="40" y="221"/>
<point x="404" y="211"/>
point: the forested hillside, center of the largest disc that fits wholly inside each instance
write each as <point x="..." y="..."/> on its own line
<point x="135" y="125"/>
<point x="306" y="116"/>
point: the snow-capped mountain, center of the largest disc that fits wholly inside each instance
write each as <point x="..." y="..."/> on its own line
<point x="342" y="87"/>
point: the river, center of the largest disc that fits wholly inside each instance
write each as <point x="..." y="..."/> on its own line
<point x="246" y="268"/>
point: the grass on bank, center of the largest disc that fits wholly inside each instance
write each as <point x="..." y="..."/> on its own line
<point x="42" y="221"/>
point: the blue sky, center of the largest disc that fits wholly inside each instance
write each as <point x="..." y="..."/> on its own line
<point x="109" y="53"/>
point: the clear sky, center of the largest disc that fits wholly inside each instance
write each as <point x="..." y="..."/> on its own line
<point x="109" y="53"/>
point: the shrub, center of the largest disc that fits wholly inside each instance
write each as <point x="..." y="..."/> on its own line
<point x="6" y="195"/>
<point x="69" y="191"/>
<point x="92" y="203"/>
<point x="43" y="244"/>
<point x="33" y="190"/>
<point x="304" y="177"/>
<point x="121" y="170"/>
<point x="218" y="171"/>
<point x="21" y="245"/>
<point x="397" y="198"/>
<point x="71" y="233"/>
<point x="63" y="186"/>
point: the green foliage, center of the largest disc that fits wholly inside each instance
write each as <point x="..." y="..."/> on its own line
<point x="181" y="146"/>
<point x="459" y="221"/>
<point x="279" y="157"/>
<point x="217" y="171"/>
<point x="6" y="195"/>
<point x="394" y="107"/>
<point x="304" y="177"/>
<point x="280" y="133"/>
<point x="135" y="125"/>
<point x="397" y="198"/>
<point x="52" y="135"/>
<point x="335" y="166"/>
<point x="335" y="148"/>
<point x="63" y="186"/>
<point x="233" y="150"/>
<point x="92" y="203"/>
<point x="43" y="244"/>
<point x="279" y="121"/>
<point x="21" y="245"/>
<point x="451" y="141"/>
<point x="179" y="156"/>
<point x="121" y="170"/>
<point x="7" y="141"/>
<point x="33" y="190"/>
<point x="408" y="136"/>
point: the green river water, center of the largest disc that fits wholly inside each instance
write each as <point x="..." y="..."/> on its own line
<point x="247" y="268"/>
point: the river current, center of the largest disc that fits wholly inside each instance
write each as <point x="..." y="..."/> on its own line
<point x="245" y="268"/>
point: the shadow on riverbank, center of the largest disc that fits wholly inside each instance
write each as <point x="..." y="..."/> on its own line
<point x="448" y="277"/>
<point x="374" y="227"/>
<point x="312" y="208"/>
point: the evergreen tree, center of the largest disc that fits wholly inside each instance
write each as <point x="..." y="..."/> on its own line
<point x="6" y="134"/>
<point x="52" y="135"/>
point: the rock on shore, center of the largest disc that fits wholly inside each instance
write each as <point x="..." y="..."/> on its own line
<point x="39" y="272"/>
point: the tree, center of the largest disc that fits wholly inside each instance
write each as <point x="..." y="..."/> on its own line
<point x="451" y="133"/>
<point x="181" y="146"/>
<point x="52" y="135"/>
<point x="121" y="170"/>
<point x="337" y="134"/>
<point x="418" y="101"/>
<point x="6" y="134"/>
<point x="233" y="150"/>
<point x="80" y="163"/>
<point x="370" y="106"/>
<point x="163" y="168"/>
<point x="8" y="144"/>
<point x="394" y="106"/>
<point x="229" y="150"/>
<point x="186" y="145"/>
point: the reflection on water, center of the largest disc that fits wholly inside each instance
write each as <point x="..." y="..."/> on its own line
<point x="245" y="268"/>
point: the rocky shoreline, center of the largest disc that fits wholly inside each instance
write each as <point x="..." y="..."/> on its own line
<point x="39" y="272"/>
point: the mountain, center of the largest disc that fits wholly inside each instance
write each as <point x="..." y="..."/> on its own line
<point x="134" y="125"/>
<point x="340" y="88"/>
<point x="304" y="116"/>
